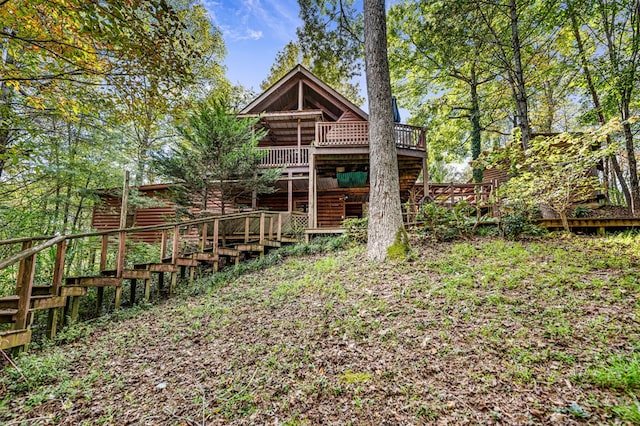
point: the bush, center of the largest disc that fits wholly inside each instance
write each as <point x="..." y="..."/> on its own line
<point x="356" y="229"/>
<point x="516" y="221"/>
<point x="445" y="224"/>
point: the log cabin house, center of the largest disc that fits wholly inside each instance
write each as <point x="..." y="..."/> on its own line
<point x="320" y="140"/>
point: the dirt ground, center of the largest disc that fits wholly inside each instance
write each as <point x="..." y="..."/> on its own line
<point x="477" y="332"/>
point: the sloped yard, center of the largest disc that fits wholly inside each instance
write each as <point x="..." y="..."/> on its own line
<point x="480" y="332"/>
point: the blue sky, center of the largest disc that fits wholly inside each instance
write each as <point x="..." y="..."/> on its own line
<point x="254" y="31"/>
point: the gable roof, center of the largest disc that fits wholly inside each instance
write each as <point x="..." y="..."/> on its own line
<point x="284" y="95"/>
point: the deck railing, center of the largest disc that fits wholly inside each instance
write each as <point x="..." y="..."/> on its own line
<point x="356" y="133"/>
<point x="285" y="156"/>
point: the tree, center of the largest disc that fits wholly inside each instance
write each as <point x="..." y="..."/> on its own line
<point x="554" y="171"/>
<point x="442" y="47"/>
<point x="49" y="45"/>
<point x="217" y="157"/>
<point x="385" y="214"/>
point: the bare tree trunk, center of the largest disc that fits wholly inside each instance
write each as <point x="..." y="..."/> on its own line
<point x="385" y="214"/>
<point x="522" y="108"/>
<point x="476" y="130"/>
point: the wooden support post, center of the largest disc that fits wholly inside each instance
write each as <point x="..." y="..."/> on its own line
<point x="174" y="281"/>
<point x="279" y="229"/>
<point x="103" y="252"/>
<point x="118" y="298"/>
<point x="99" y="300"/>
<point x="122" y="253"/>
<point x="58" y="273"/>
<point x="602" y="231"/>
<point x="133" y="287"/>
<point x="174" y="245"/>
<point x="26" y="272"/>
<point x="270" y="235"/>
<point x="203" y="239"/>
<point x="163" y="244"/>
<point x="160" y="282"/>
<point x="262" y="217"/>
<point x="147" y="289"/>
<point x="52" y="322"/>
<point x="247" y="227"/>
<point x="216" y="227"/>
<point x="58" y="267"/>
<point x="312" y="189"/>
<point x="74" y="309"/>
<point x="290" y="192"/>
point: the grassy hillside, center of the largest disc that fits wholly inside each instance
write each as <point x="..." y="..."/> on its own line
<point x="478" y="332"/>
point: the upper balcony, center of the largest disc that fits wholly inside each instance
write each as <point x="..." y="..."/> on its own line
<point x="356" y="133"/>
<point x="341" y="134"/>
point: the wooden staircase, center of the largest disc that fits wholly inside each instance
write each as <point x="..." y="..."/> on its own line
<point x="185" y="248"/>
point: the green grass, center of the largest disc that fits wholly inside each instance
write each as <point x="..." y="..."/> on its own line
<point x="314" y="331"/>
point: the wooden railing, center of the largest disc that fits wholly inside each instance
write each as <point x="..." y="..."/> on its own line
<point x="285" y="156"/>
<point x="452" y="193"/>
<point x="182" y="244"/>
<point x="356" y="133"/>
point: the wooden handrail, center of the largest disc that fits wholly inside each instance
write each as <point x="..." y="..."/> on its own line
<point x="31" y="251"/>
<point x="139" y="229"/>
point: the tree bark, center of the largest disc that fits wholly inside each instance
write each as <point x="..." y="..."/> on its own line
<point x="520" y="92"/>
<point x="385" y="214"/>
<point x="476" y="130"/>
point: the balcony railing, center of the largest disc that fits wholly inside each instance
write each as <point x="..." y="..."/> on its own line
<point x="285" y="156"/>
<point x="356" y="133"/>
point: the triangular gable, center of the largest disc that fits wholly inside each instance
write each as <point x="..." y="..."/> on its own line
<point x="317" y="95"/>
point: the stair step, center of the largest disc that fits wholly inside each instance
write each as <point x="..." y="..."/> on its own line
<point x="94" y="281"/>
<point x="225" y="251"/>
<point x="72" y="290"/>
<point x="161" y="267"/>
<point x="37" y="302"/>
<point x="128" y="274"/>
<point x="7" y="315"/>
<point x="272" y="243"/>
<point x="13" y="338"/>
<point x="207" y="257"/>
<point x="250" y="247"/>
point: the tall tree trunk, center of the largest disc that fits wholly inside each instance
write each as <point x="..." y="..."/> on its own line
<point x="476" y="130"/>
<point x="522" y="109"/>
<point x="385" y="214"/>
<point x="615" y="165"/>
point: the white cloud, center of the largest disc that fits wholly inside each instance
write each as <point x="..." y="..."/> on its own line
<point x="254" y="19"/>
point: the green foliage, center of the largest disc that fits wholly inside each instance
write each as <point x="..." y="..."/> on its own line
<point x="216" y="158"/>
<point x="554" y="171"/>
<point x="356" y="229"/>
<point x="34" y="371"/>
<point x="618" y="372"/>
<point x="445" y="224"/>
<point x="516" y="221"/>
<point x="274" y="257"/>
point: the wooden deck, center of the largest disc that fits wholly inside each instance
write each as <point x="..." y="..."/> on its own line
<point x="184" y="248"/>
<point x="599" y="223"/>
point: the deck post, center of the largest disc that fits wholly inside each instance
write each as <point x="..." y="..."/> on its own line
<point x="279" y="228"/>
<point x="290" y="193"/>
<point x="247" y="226"/>
<point x="104" y="246"/>
<point x="262" y="224"/>
<point x="312" y="188"/>
<point x="270" y="235"/>
<point x="58" y="273"/>
<point x="203" y="240"/>
<point x="216" y="227"/>
<point x="24" y="285"/>
<point x="163" y="244"/>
